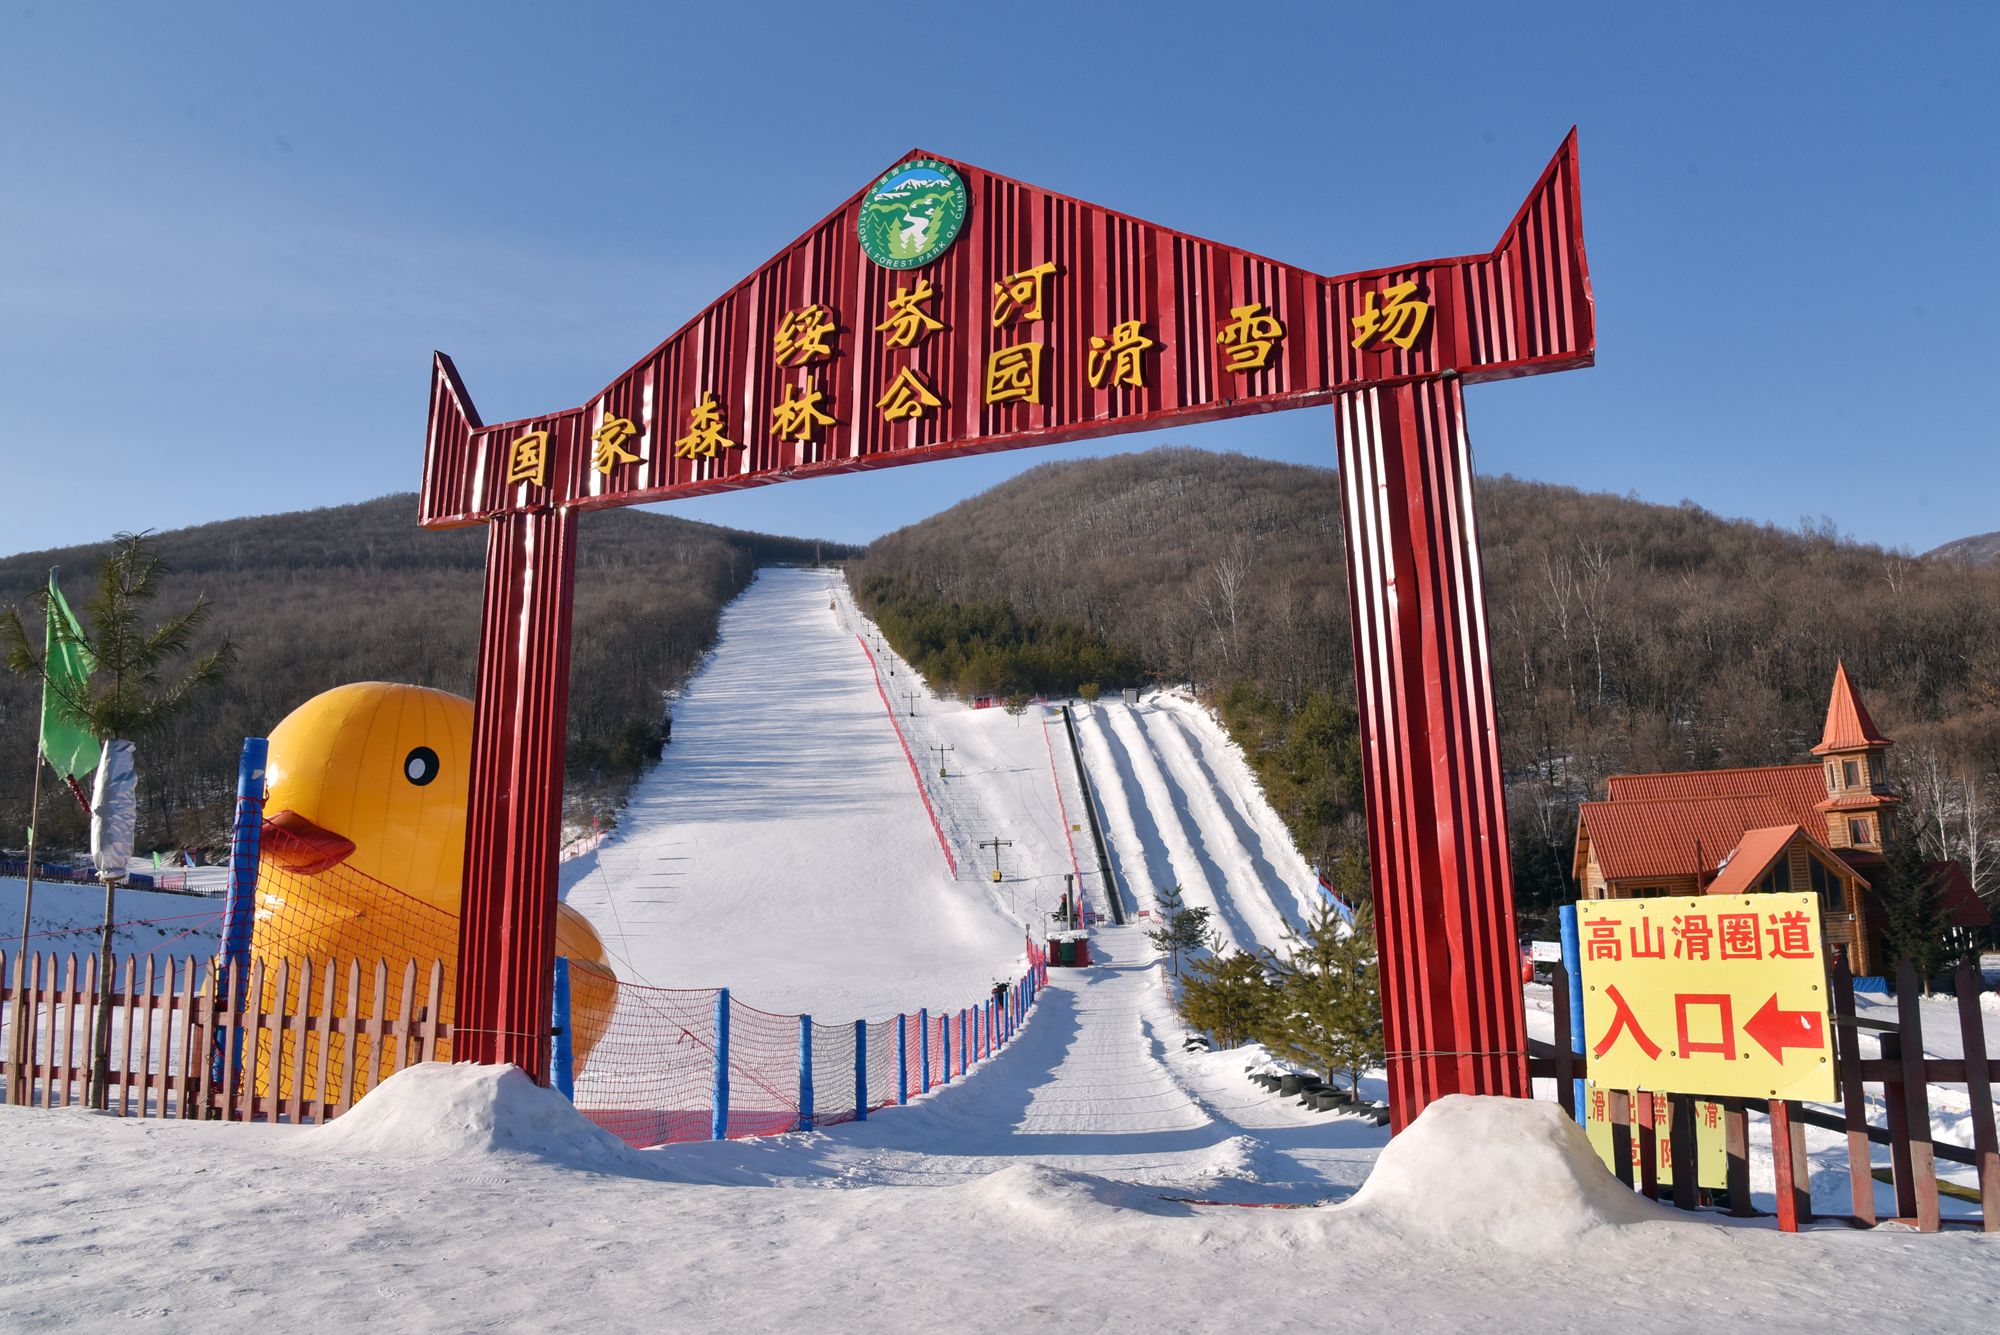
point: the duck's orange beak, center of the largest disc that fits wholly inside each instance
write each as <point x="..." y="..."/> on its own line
<point x="299" y="846"/>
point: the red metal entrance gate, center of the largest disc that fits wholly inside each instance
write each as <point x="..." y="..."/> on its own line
<point x="948" y="311"/>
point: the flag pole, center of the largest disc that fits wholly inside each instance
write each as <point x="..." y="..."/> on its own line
<point x="21" y="1039"/>
<point x="34" y="820"/>
<point x="35" y="803"/>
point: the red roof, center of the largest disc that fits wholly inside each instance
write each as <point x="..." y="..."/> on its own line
<point x="1750" y="859"/>
<point x="1648" y="837"/>
<point x="1848" y="727"/>
<point x="1859" y="801"/>
<point x="1762" y="848"/>
<point x="1801" y="787"/>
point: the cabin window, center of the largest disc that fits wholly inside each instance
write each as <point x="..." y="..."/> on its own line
<point x="1779" y="879"/>
<point x="1825" y="884"/>
<point x="1832" y="777"/>
<point x="1851" y="773"/>
<point x="1857" y="830"/>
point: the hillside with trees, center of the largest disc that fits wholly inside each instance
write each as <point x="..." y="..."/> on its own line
<point x="1626" y="636"/>
<point x="1979" y="549"/>
<point x="358" y="592"/>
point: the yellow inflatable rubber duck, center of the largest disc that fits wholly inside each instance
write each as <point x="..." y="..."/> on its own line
<point x="371" y="779"/>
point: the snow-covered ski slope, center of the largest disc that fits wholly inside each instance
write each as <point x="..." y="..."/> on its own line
<point x="780" y="847"/>
<point x="1179" y="803"/>
<point x="823" y="831"/>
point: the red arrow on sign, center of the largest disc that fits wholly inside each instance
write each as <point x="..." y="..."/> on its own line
<point x="1775" y="1030"/>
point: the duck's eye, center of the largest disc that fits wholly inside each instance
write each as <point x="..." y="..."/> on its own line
<point x="421" y="766"/>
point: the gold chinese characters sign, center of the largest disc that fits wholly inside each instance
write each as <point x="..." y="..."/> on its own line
<point x="1717" y="994"/>
<point x="948" y="310"/>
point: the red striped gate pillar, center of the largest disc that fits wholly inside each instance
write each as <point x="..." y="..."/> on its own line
<point x="1437" y="828"/>
<point x="521" y="714"/>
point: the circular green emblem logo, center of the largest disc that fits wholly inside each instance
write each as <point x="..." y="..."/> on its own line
<point x="912" y="214"/>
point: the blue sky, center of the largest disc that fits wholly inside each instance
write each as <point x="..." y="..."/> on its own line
<point x="233" y="233"/>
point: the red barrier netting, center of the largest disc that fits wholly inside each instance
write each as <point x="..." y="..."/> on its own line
<point x="763" y="1071"/>
<point x="643" y="1057"/>
<point x="650" y="1077"/>
<point x="833" y="1073"/>
<point x="883" y="1038"/>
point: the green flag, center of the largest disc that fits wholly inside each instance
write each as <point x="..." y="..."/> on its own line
<point x="71" y="750"/>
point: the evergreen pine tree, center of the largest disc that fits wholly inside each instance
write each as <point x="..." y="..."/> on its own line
<point x="126" y="696"/>
<point x="1327" y="1014"/>
<point x="1228" y="994"/>
<point x="1917" y="925"/>
<point x="1181" y="928"/>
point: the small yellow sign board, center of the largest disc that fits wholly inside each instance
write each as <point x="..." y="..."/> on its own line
<point x="1711" y="1154"/>
<point x="1717" y="995"/>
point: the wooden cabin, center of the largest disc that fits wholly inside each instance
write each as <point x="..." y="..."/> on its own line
<point x="1816" y="826"/>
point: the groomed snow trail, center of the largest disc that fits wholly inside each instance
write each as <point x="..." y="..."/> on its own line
<point x="1096" y="1083"/>
<point x="779" y="848"/>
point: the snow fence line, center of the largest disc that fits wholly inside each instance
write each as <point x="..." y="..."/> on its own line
<point x="915" y="773"/>
<point x="659" y="1066"/>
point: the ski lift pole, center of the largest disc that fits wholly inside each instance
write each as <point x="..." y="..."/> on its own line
<point x="996" y="843"/>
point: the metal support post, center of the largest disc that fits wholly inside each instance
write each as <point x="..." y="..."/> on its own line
<point x="902" y="1059"/>
<point x="805" y="1073"/>
<point x="520" y="714"/>
<point x="1437" y="832"/>
<point x="239" y="905"/>
<point x="924" y="1049"/>
<point x="861" y="1070"/>
<point x="719" y="1093"/>
<point x="563" y="1071"/>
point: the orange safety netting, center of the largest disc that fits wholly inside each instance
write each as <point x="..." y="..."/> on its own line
<point x="339" y="918"/>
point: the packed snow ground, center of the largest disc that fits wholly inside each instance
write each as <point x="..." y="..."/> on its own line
<point x="464" y="1198"/>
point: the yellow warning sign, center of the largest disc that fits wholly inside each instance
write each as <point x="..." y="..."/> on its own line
<point x="1711" y="1152"/>
<point x="1718" y="995"/>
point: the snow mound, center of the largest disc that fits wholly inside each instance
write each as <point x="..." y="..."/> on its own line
<point x="1483" y="1172"/>
<point x="440" y="1110"/>
<point x="1038" y="1194"/>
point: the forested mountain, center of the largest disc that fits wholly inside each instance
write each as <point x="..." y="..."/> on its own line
<point x="1626" y="636"/>
<point x="357" y="593"/>
<point x="1980" y="549"/>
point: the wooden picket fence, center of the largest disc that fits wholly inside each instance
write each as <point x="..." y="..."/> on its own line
<point x="297" y="1049"/>
<point x="1904" y="1073"/>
